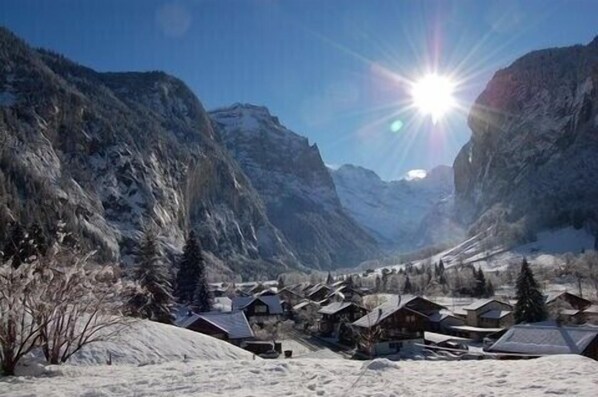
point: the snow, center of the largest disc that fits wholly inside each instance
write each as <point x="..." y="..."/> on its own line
<point x="546" y="338"/>
<point x="146" y="342"/>
<point x="562" y="375"/>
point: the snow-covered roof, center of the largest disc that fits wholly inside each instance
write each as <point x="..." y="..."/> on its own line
<point x="301" y="305"/>
<point x="478" y="304"/>
<point x="440" y="315"/>
<point x="272" y="301"/>
<point x="495" y="314"/>
<point x="546" y="338"/>
<point x="439" y="338"/>
<point x="378" y="314"/>
<point x="335" y="307"/>
<point x="469" y="328"/>
<point x="234" y="324"/>
<point x="316" y="288"/>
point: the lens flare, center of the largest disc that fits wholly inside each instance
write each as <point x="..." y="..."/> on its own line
<point x="396" y="126"/>
<point x="433" y="95"/>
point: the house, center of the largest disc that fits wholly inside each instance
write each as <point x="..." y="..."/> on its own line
<point x="337" y="313"/>
<point x="390" y="328"/>
<point x="289" y="295"/>
<point x="443" y="320"/>
<point x="318" y="292"/>
<point x="232" y="327"/>
<point x="345" y="293"/>
<point x="566" y="300"/>
<point x="548" y="338"/>
<point x="259" y="309"/>
<point x="489" y="313"/>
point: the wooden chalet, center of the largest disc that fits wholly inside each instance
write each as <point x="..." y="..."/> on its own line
<point x="232" y="327"/>
<point x="259" y="309"/>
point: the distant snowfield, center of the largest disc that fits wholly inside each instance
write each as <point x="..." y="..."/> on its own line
<point x="557" y="375"/>
<point x="545" y="251"/>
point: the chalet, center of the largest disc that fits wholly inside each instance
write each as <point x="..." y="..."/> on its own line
<point x="318" y="292"/>
<point x="566" y="300"/>
<point x="232" y="327"/>
<point x="398" y="324"/>
<point x="289" y="295"/>
<point x="547" y="338"/>
<point x="345" y="293"/>
<point x="337" y="313"/>
<point x="443" y="320"/>
<point x="259" y="309"/>
<point x="489" y="313"/>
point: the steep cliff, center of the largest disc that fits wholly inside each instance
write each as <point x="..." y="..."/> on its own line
<point x="293" y="182"/>
<point x="111" y="153"/>
<point x="533" y="153"/>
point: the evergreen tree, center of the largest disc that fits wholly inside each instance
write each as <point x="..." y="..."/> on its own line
<point x="329" y="279"/>
<point x="479" y="289"/>
<point x="407" y="288"/>
<point x="530" y="306"/>
<point x="441" y="268"/>
<point x="154" y="298"/>
<point x="191" y="271"/>
<point x="378" y="284"/>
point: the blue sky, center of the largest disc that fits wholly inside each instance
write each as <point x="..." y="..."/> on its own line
<point x="335" y="71"/>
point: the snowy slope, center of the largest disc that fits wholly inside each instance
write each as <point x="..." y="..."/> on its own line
<point x="557" y="375"/>
<point x="145" y="342"/>
<point x="401" y="214"/>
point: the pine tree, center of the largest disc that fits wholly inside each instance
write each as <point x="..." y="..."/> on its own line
<point x="154" y="299"/>
<point x="480" y="288"/>
<point x="190" y="269"/>
<point x="530" y="306"/>
<point x="407" y="288"/>
<point x="329" y="279"/>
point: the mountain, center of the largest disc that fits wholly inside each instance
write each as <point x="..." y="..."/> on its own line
<point x="112" y="153"/>
<point x="403" y="214"/>
<point x="295" y="185"/>
<point x="532" y="159"/>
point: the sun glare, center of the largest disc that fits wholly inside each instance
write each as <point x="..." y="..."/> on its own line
<point x="433" y="95"/>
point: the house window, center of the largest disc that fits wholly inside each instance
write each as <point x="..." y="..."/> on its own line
<point x="261" y="309"/>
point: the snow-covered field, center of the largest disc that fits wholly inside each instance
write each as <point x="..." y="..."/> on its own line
<point x="557" y="375"/>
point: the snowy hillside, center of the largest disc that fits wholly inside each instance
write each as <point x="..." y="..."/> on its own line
<point x="547" y="250"/>
<point x="148" y="342"/>
<point x="404" y="214"/>
<point x="556" y="375"/>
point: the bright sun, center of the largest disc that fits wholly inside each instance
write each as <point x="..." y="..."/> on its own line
<point x="433" y="95"/>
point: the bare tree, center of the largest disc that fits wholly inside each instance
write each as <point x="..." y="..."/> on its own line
<point x="18" y="332"/>
<point x="80" y="304"/>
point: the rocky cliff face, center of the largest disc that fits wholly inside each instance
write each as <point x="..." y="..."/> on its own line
<point x="533" y="154"/>
<point x="403" y="214"/>
<point x="111" y="153"/>
<point x="294" y="184"/>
